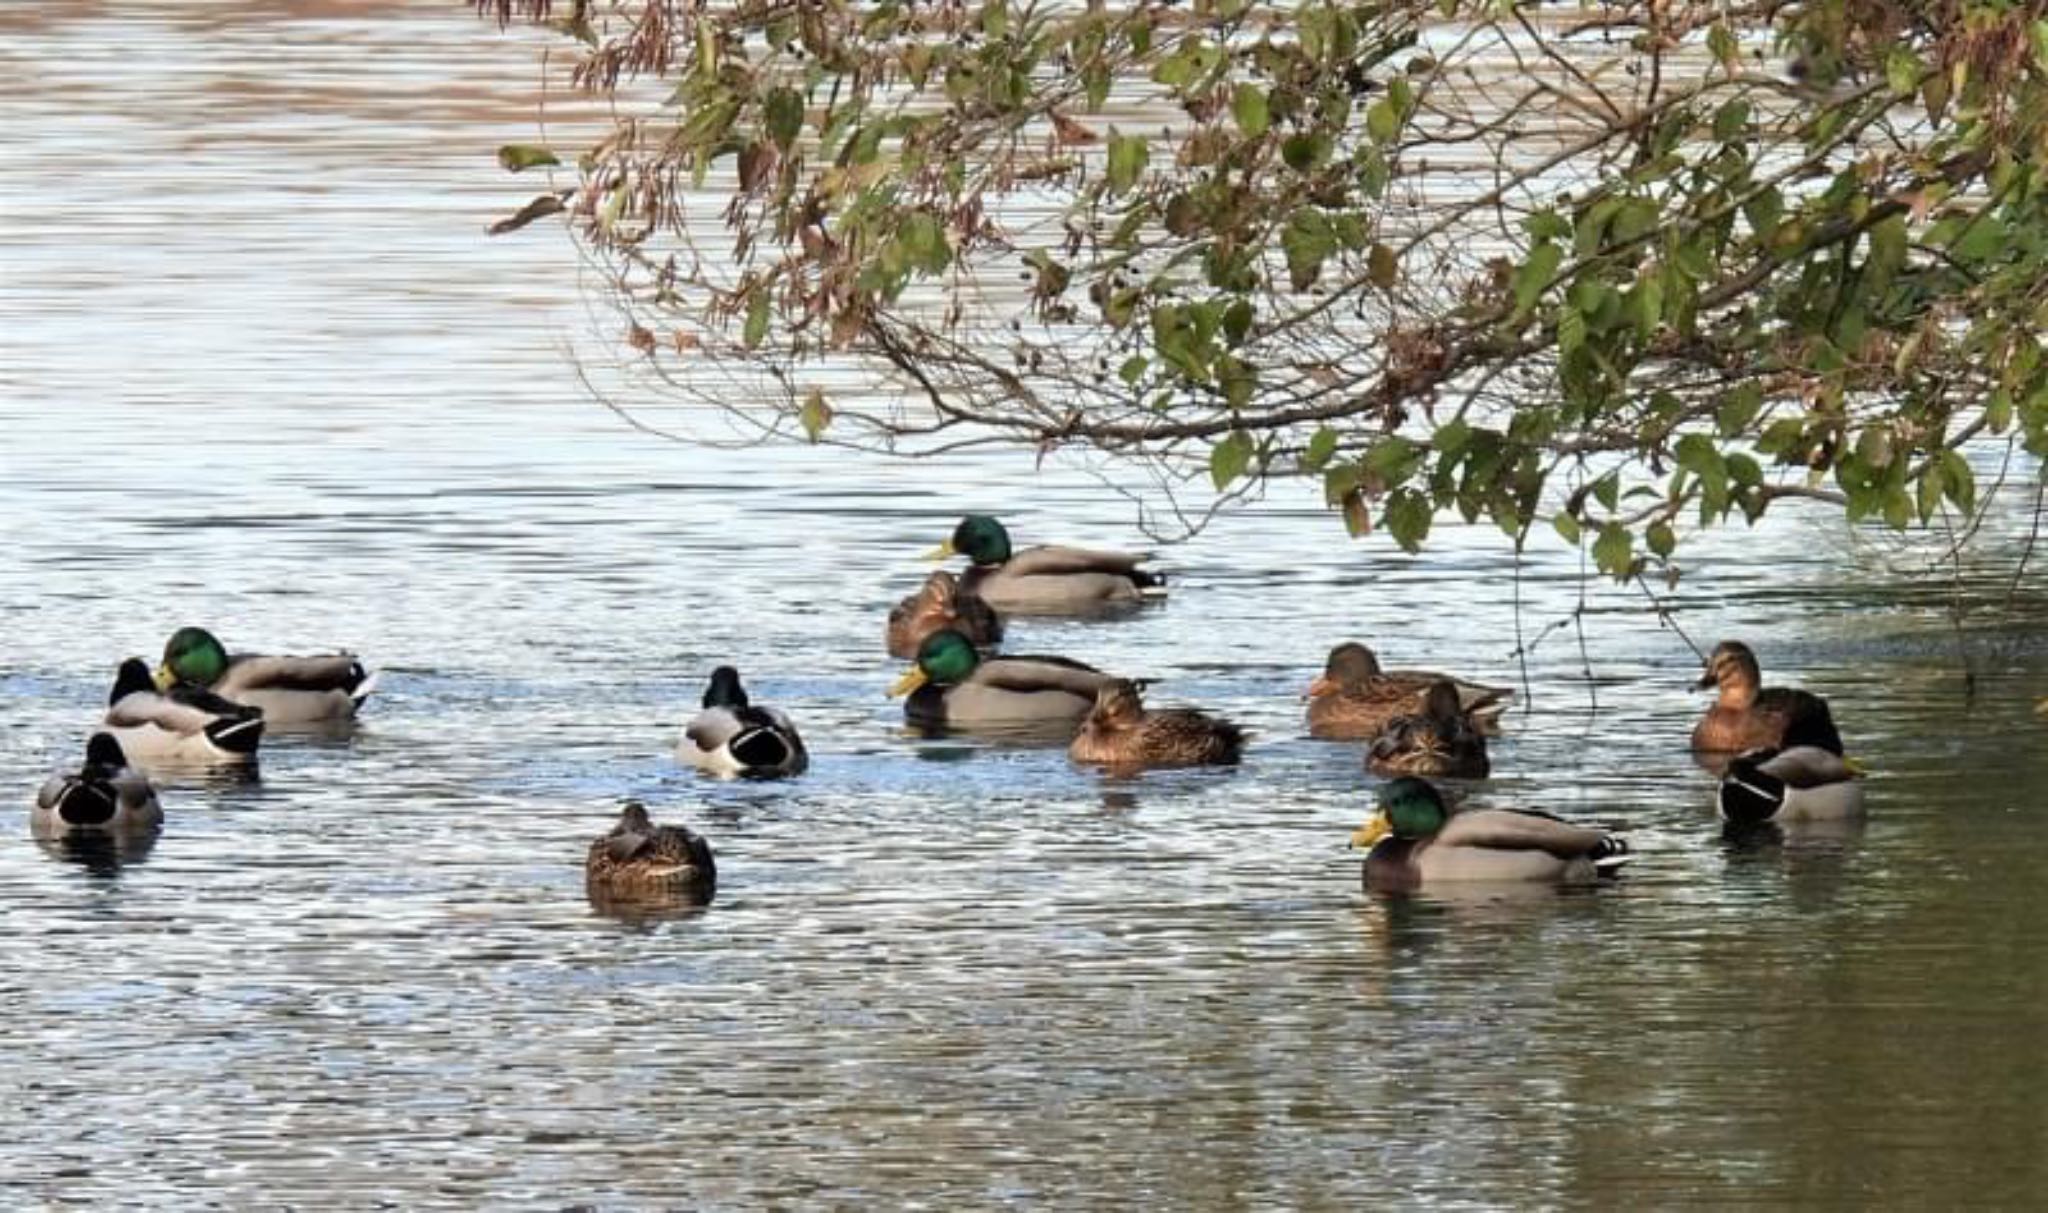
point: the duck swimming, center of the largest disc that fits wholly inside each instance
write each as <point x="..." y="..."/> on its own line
<point x="185" y="725"/>
<point x="940" y="604"/>
<point x="1120" y="732"/>
<point x="290" y="690"/>
<point x="1355" y="699"/>
<point x="1415" y="841"/>
<point x="1748" y="715"/>
<point x="733" y="737"/>
<point x="953" y="686"/>
<point x="104" y="797"/>
<point x="1044" y="580"/>
<point x="638" y="856"/>
<point x="1438" y="740"/>
<point x="1800" y="781"/>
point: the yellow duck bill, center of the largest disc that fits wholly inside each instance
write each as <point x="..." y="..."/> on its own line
<point x="944" y="551"/>
<point x="911" y="680"/>
<point x="1371" y="832"/>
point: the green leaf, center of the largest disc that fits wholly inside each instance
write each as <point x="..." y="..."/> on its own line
<point x="1382" y="123"/>
<point x="1248" y="106"/>
<point x="1304" y="152"/>
<point x="1127" y="157"/>
<point x="1614" y="550"/>
<point x="1661" y="538"/>
<point x="1567" y="528"/>
<point x="1452" y="437"/>
<point x="1237" y="322"/>
<point x="1308" y="241"/>
<point x="518" y="157"/>
<point x="1730" y="120"/>
<point x="1229" y="458"/>
<point x="1133" y="369"/>
<point x="815" y="415"/>
<point x="1407" y="518"/>
<point x="1536" y="274"/>
<point x="1962" y="482"/>
<point x="784" y="114"/>
<point x="1902" y="71"/>
<point x="1321" y="449"/>
<point x="756" y="329"/>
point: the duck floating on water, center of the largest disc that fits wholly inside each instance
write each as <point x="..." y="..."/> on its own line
<point x="1044" y="580"/>
<point x="1747" y="715"/>
<point x="1438" y="740"/>
<point x="104" y="797"/>
<point x="291" y="690"/>
<point x="1355" y="699"/>
<point x="1121" y="732"/>
<point x="639" y="857"/>
<point x="734" y="737"/>
<point x="1415" y="841"/>
<point x="184" y="726"/>
<point x="953" y="687"/>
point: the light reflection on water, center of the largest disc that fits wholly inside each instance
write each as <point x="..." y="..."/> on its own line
<point x="262" y="371"/>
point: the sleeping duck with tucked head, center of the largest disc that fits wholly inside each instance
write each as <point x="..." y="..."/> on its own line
<point x="1748" y="715"/>
<point x="937" y="605"/>
<point x="183" y="726"/>
<point x="1800" y="780"/>
<point x="104" y="797"/>
<point x="1415" y="841"/>
<point x="1355" y="699"/>
<point x="734" y="737"/>
<point x="953" y="687"/>
<point x="322" y="689"/>
<point x="1122" y="733"/>
<point x="1044" y="580"/>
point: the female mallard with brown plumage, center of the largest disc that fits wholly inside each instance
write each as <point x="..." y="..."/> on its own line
<point x="1121" y="732"/>
<point x="937" y="605"/>
<point x="1045" y="580"/>
<point x="1355" y="699"/>
<point x="1415" y="840"/>
<point x="1437" y="740"/>
<point x="639" y="857"/>
<point x="1748" y="715"/>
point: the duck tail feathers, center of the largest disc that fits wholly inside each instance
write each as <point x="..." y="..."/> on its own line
<point x="761" y="750"/>
<point x="1611" y="855"/>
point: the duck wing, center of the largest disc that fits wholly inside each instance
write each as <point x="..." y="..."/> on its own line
<point x="1055" y="561"/>
<point x="1807" y="766"/>
<point x="1515" y="830"/>
<point x="1040" y="674"/>
<point x="187" y="712"/>
<point x="328" y="672"/>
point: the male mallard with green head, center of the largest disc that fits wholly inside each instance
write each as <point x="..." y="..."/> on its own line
<point x="186" y="725"/>
<point x="953" y="686"/>
<point x="105" y="796"/>
<point x="1121" y="732"/>
<point x="1414" y="841"/>
<point x="290" y="690"/>
<point x="732" y="736"/>
<point x="1044" y="580"/>
<point x="1355" y="699"/>
<point x="1438" y="740"/>
<point x="940" y="604"/>
<point x="1747" y="715"/>
<point x="638" y="856"/>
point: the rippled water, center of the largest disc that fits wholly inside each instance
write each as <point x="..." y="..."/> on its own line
<point x="259" y="368"/>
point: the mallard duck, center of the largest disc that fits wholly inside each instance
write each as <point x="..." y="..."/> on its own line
<point x="1799" y="781"/>
<point x="290" y="690"/>
<point x="732" y="737"/>
<point x="939" y="603"/>
<point x="638" y="856"/>
<point x="1120" y="732"/>
<point x="1355" y="699"/>
<point x="1414" y="840"/>
<point x="1437" y="740"/>
<point x="1044" y="580"/>
<point x="951" y="686"/>
<point x="106" y="796"/>
<point x="185" y="725"/>
<point x="1748" y="715"/>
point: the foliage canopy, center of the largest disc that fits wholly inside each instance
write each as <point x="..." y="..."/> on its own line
<point x="1619" y="268"/>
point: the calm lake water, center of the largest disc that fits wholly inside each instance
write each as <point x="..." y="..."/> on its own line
<point x="260" y="369"/>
